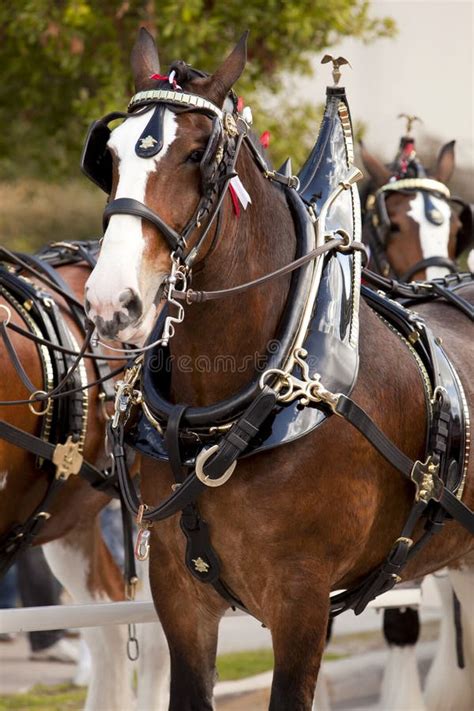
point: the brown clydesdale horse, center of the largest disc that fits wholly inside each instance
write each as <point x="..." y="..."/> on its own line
<point x="413" y="227"/>
<point x="298" y="521"/>
<point x="73" y="544"/>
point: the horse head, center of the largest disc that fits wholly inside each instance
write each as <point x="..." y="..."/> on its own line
<point x="411" y="225"/>
<point x="160" y="166"/>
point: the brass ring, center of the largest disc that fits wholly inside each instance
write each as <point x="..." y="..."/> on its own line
<point x="345" y="246"/>
<point x="43" y="514"/>
<point x="39" y="413"/>
<point x="284" y="381"/>
<point x="8" y="312"/>
<point x="202" y="458"/>
<point x="282" y="375"/>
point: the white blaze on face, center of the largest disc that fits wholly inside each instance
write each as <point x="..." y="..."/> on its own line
<point x="434" y="239"/>
<point x="119" y="265"/>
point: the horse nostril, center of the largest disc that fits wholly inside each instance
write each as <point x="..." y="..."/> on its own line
<point x="130" y="301"/>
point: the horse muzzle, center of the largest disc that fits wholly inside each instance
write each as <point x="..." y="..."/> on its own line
<point x="114" y="317"/>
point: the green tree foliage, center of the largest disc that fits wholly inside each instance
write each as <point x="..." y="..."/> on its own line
<point x="65" y="63"/>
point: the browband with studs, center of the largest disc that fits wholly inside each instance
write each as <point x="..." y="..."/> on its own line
<point x="178" y="98"/>
<point x="433" y="186"/>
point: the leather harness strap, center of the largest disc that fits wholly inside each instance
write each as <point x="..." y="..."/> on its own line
<point x="98" y="479"/>
<point x="129" y="206"/>
<point x="173" y="443"/>
<point x="443" y="262"/>
<point x="356" y="416"/>
<point x="22" y="535"/>
<point x="191" y="296"/>
<point x="424" y="291"/>
<point x="231" y="446"/>
<point x="433" y="497"/>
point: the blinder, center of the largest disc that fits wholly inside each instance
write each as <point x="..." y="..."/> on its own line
<point x="96" y="160"/>
<point x="382" y="213"/>
<point x="212" y="156"/>
<point x="465" y="236"/>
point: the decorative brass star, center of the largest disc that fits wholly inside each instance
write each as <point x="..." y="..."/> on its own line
<point x="148" y="142"/>
<point x="200" y="565"/>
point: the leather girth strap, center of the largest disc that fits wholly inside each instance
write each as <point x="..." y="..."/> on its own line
<point x="442" y="502"/>
<point x="361" y="421"/>
<point x="22" y="535"/>
<point x="98" y="479"/>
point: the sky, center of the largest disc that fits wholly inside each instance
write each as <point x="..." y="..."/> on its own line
<point x="426" y="70"/>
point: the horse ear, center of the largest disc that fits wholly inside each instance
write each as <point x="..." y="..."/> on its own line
<point x="379" y="173"/>
<point x="223" y="79"/>
<point x="144" y="60"/>
<point x="445" y="163"/>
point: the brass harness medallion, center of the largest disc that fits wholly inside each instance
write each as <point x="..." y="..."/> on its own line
<point x="200" y="565"/>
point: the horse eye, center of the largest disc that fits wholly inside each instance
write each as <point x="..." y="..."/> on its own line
<point x="394" y="228"/>
<point x="195" y="156"/>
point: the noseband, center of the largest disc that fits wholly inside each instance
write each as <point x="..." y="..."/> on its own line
<point x="379" y="222"/>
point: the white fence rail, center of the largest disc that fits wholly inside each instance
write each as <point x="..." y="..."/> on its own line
<point x="35" y="619"/>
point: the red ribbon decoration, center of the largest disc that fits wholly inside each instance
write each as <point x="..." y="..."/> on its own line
<point x="265" y="139"/>
<point x="162" y="77"/>
<point x="165" y="77"/>
<point x="235" y="200"/>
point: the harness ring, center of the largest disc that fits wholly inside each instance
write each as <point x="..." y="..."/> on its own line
<point x="39" y="413"/>
<point x="8" y="312"/>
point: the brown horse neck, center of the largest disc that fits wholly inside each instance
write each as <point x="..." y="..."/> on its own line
<point x="220" y="344"/>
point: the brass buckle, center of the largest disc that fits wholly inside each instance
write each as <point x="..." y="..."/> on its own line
<point x="67" y="459"/>
<point x="425" y="477"/>
<point x="202" y="458"/>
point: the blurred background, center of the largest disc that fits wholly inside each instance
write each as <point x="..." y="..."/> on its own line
<point x="66" y="63"/>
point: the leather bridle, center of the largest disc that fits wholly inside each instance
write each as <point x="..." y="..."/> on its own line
<point x="379" y="224"/>
<point x="228" y="133"/>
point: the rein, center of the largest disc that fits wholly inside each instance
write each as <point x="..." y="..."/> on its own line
<point x="339" y="244"/>
<point x="15" y="259"/>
